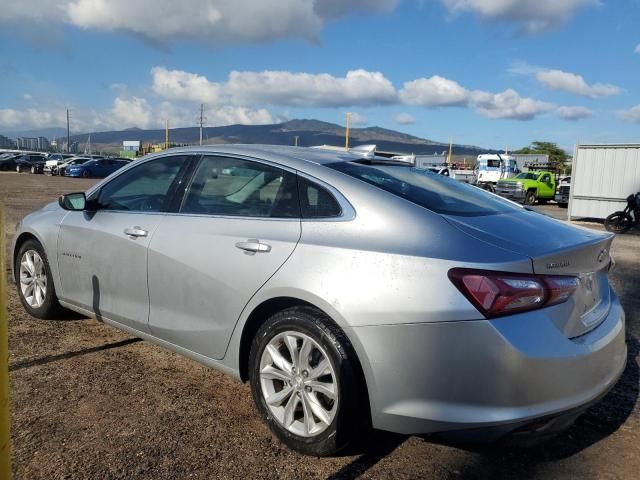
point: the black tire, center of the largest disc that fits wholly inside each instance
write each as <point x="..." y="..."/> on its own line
<point x="50" y="307"/>
<point x="86" y="174"/>
<point x="349" y="420"/>
<point x="618" y="222"/>
<point x="530" y="198"/>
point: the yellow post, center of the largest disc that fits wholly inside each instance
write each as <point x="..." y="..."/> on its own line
<point x="5" y="419"/>
<point x="346" y="137"/>
<point x="166" y="135"/>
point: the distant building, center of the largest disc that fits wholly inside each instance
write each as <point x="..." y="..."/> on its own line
<point x="33" y="143"/>
<point x="130" y="148"/>
<point x="6" y="142"/>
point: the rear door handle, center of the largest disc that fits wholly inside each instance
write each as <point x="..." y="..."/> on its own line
<point x="135" y="232"/>
<point x="253" y="246"/>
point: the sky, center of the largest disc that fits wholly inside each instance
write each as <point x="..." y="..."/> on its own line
<point x="494" y="73"/>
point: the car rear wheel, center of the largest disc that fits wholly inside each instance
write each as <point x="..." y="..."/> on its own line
<point x="303" y="380"/>
<point x="35" y="283"/>
<point x="530" y="198"/>
<point x="86" y="174"/>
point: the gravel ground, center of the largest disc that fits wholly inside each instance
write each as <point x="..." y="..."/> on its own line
<point x="90" y="402"/>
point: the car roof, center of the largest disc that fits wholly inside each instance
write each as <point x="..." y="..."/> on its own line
<point x="293" y="157"/>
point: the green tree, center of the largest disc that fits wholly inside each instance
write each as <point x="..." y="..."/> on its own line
<point x="557" y="156"/>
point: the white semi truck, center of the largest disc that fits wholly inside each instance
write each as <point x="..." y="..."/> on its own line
<point x="492" y="167"/>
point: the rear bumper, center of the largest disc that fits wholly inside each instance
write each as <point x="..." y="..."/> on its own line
<point x="496" y="375"/>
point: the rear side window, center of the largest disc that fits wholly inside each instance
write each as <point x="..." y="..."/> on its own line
<point x="236" y="187"/>
<point x="435" y="192"/>
<point x="316" y="201"/>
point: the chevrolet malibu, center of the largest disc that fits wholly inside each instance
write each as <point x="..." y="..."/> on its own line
<point x="350" y="291"/>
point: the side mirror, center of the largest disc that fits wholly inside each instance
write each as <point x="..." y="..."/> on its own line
<point x="73" y="201"/>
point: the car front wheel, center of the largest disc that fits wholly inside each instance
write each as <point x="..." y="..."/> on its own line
<point x="35" y="283"/>
<point x="530" y="198"/>
<point x="304" y="383"/>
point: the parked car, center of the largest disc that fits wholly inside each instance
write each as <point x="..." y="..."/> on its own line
<point x="8" y="161"/>
<point x="563" y="191"/>
<point x="94" y="168"/>
<point x="55" y="159"/>
<point x="528" y="187"/>
<point x="347" y="291"/>
<point x="30" y="162"/>
<point x="60" y="169"/>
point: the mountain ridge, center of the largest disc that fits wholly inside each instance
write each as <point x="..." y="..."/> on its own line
<point x="309" y="132"/>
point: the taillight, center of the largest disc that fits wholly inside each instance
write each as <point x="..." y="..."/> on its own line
<point x="496" y="294"/>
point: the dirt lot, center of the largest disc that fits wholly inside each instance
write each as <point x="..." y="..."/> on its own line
<point x="90" y="402"/>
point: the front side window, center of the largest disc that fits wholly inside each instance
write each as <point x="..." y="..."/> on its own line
<point x="234" y="187"/>
<point x="144" y="188"/>
<point x="435" y="192"/>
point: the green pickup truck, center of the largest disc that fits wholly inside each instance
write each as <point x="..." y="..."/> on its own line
<point x="528" y="187"/>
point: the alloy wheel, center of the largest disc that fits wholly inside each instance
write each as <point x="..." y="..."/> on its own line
<point x="33" y="278"/>
<point x="299" y="384"/>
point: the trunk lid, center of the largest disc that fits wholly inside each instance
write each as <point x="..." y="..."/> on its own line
<point x="554" y="248"/>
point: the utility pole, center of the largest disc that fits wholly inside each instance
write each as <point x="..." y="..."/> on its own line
<point x="346" y="137"/>
<point x="68" y="145"/>
<point x="201" y="121"/>
<point x="166" y="134"/>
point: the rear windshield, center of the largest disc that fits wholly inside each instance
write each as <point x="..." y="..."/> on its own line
<point x="435" y="192"/>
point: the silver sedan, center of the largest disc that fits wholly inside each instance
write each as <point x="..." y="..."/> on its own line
<point x="349" y="291"/>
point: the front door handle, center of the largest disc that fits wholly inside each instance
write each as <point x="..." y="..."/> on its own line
<point x="253" y="246"/>
<point x="135" y="232"/>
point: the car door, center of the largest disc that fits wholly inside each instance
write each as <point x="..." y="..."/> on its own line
<point x="545" y="186"/>
<point x="102" y="252"/>
<point x="238" y="223"/>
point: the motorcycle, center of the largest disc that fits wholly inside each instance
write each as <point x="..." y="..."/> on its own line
<point x="622" y="221"/>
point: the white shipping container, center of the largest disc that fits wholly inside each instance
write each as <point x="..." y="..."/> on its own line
<point x="602" y="177"/>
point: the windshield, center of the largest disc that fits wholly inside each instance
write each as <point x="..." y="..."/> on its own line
<point x="527" y="176"/>
<point x="435" y="192"/>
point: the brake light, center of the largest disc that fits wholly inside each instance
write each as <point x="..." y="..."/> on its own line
<point x="496" y="294"/>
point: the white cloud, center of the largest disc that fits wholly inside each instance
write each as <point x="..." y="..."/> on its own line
<point x="436" y="91"/>
<point x="132" y="112"/>
<point x="574" y="112"/>
<point x="404" y="119"/>
<point x="442" y="92"/>
<point x="631" y="115"/>
<point x="358" y="87"/>
<point x="31" y="117"/>
<point x="575" y="84"/>
<point x="207" y="21"/>
<point x="531" y="15"/>
<point x="181" y="85"/>
<point x="27" y="96"/>
<point x="357" y="119"/>
<point x="508" y="104"/>
<point x="637" y="49"/>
